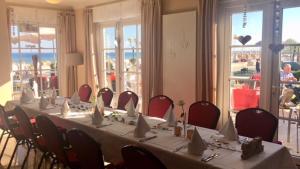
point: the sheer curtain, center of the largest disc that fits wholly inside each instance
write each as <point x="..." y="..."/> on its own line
<point x="66" y="44"/>
<point x="152" y="81"/>
<point x="92" y="58"/>
<point x="206" y="50"/>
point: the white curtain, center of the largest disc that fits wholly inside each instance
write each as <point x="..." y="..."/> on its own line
<point x="66" y="36"/>
<point x="92" y="54"/>
<point x="206" y="50"/>
<point x="152" y="81"/>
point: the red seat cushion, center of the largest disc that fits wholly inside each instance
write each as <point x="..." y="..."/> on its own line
<point x="73" y="159"/>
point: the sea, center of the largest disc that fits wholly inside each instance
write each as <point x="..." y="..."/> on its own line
<point x="51" y="57"/>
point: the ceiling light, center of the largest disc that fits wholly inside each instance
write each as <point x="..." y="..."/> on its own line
<point x="53" y="1"/>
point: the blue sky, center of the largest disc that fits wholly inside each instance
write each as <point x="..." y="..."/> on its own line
<point x="291" y="25"/>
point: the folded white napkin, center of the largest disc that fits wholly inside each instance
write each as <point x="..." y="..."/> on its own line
<point x="142" y="127"/>
<point x="65" y="109"/>
<point x="27" y="96"/>
<point x="229" y="131"/>
<point x="43" y="102"/>
<point x="75" y="98"/>
<point x="130" y="108"/>
<point x="170" y="117"/>
<point x="53" y="96"/>
<point x="97" y="117"/>
<point x="197" y="145"/>
<point x="100" y="103"/>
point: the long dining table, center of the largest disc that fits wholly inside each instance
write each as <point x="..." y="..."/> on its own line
<point x="117" y="131"/>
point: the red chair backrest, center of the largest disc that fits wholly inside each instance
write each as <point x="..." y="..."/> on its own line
<point x="254" y="122"/>
<point x="158" y="106"/>
<point x="10" y="122"/>
<point x="204" y="114"/>
<point x="137" y="158"/>
<point x="107" y="96"/>
<point x="53" y="138"/>
<point x="3" y="121"/>
<point x="23" y="122"/>
<point x="125" y="97"/>
<point x="87" y="149"/>
<point x="85" y="92"/>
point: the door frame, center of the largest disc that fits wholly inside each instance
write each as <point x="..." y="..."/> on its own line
<point x="224" y="52"/>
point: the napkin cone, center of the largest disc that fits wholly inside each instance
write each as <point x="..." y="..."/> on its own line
<point x="170" y="117"/>
<point x="142" y="127"/>
<point x="75" y="98"/>
<point x="229" y="131"/>
<point x="27" y="96"/>
<point x="100" y="104"/>
<point x="130" y="108"/>
<point x="197" y="145"/>
<point x="43" y="102"/>
<point x="53" y="96"/>
<point x="97" y="117"/>
<point x="65" y="108"/>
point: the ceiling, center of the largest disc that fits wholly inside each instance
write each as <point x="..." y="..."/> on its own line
<point x="63" y="4"/>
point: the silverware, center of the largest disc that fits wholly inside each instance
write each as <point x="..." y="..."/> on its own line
<point x="212" y="156"/>
<point x="100" y="126"/>
<point x="181" y="147"/>
<point x="147" y="138"/>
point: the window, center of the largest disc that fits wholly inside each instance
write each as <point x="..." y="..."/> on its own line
<point x="31" y="42"/>
<point x="245" y="60"/>
<point x="122" y="57"/>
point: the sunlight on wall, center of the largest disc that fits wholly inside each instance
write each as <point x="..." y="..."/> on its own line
<point x="6" y="92"/>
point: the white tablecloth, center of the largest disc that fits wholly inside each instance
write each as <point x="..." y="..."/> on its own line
<point x="114" y="135"/>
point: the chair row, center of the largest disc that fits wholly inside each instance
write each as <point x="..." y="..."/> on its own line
<point x="251" y="122"/>
<point x="66" y="147"/>
<point x="85" y="92"/>
<point x="204" y="114"/>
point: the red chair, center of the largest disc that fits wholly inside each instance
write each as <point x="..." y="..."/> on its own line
<point x="29" y="134"/>
<point x="85" y="92"/>
<point x="137" y="158"/>
<point x="107" y="96"/>
<point x="204" y="114"/>
<point x="56" y="145"/>
<point x="5" y="130"/>
<point x="158" y="106"/>
<point x="89" y="155"/>
<point x="256" y="122"/>
<point x="125" y="97"/>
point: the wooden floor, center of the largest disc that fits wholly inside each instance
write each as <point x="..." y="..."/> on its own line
<point x="32" y="162"/>
<point x="282" y="134"/>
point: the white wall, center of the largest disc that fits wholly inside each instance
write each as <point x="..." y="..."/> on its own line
<point x="5" y="59"/>
<point x="179" y="57"/>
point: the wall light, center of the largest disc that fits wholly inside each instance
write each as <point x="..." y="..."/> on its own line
<point x="53" y="1"/>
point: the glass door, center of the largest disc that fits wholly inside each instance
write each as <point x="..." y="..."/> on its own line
<point x="262" y="63"/>
<point x="131" y="59"/>
<point x="122" y="57"/>
<point x="289" y="66"/>
<point x="245" y="60"/>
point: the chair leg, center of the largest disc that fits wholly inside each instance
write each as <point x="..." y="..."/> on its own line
<point x="41" y="160"/>
<point x="3" y="132"/>
<point x="52" y="164"/>
<point x="27" y="154"/>
<point x="4" y="147"/>
<point x="13" y="154"/>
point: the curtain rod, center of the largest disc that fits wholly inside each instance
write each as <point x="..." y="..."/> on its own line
<point x="38" y="6"/>
<point x="106" y="3"/>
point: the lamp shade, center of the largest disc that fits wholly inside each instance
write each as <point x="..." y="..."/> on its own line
<point x="74" y="59"/>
